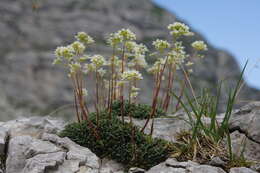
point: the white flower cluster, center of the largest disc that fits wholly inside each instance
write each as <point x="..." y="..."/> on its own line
<point x="127" y="34"/>
<point x="178" y="29"/>
<point x="177" y="55"/>
<point x="64" y="52"/>
<point x="84" y="38"/>
<point x="78" y="47"/>
<point x="97" y="61"/>
<point x="121" y="36"/>
<point x="161" y="44"/>
<point x="131" y="75"/>
<point x="199" y="45"/>
<point x="137" y="51"/>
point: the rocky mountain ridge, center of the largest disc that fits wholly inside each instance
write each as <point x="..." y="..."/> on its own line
<point x="31" y="30"/>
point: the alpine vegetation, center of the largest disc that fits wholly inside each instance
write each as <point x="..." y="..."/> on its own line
<point x="107" y="131"/>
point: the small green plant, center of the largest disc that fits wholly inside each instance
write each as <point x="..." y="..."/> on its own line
<point x="140" y="111"/>
<point x="116" y="142"/>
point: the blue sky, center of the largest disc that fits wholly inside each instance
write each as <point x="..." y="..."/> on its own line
<point x="233" y="25"/>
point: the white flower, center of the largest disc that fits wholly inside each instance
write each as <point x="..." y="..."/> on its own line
<point x="97" y="61"/>
<point x="127" y="34"/>
<point x="84" y="38"/>
<point x="114" y="39"/>
<point x="78" y="47"/>
<point x="161" y="44"/>
<point x="199" y="45"/>
<point x="178" y="29"/>
<point x="176" y="58"/>
<point x="64" y="52"/>
<point x="131" y="75"/>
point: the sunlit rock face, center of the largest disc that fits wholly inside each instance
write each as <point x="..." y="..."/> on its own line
<point x="31" y="30"/>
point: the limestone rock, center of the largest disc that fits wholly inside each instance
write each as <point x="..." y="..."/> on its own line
<point x="74" y="151"/>
<point x="172" y="165"/>
<point x="108" y="166"/>
<point x="165" y="128"/>
<point x="240" y="142"/>
<point x="216" y="161"/>
<point x="205" y="169"/>
<point x="16" y="159"/>
<point x="247" y="120"/>
<point x="41" y="162"/>
<point x="241" y="170"/>
<point x="33" y="126"/>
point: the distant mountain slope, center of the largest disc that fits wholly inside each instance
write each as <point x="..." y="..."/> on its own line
<point x="28" y="37"/>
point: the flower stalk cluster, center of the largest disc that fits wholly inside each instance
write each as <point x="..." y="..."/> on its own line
<point x="119" y="73"/>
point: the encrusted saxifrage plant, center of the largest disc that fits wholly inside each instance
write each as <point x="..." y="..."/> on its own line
<point x="119" y="73"/>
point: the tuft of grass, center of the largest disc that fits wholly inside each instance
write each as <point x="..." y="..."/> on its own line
<point x="202" y="150"/>
<point x="117" y="142"/>
<point x="139" y="111"/>
<point x="238" y="161"/>
<point x="206" y="139"/>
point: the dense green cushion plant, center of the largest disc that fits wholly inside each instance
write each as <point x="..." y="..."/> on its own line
<point x="140" y="111"/>
<point x="116" y="143"/>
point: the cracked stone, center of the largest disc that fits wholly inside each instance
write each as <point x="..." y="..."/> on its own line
<point x="74" y="151"/>
<point x="241" y="170"/>
<point x="40" y="162"/>
<point x="172" y="162"/>
<point x="108" y="166"/>
<point x="247" y="119"/>
<point x="216" y="161"/>
<point x="33" y="126"/>
<point x="251" y="150"/>
<point x="205" y="169"/>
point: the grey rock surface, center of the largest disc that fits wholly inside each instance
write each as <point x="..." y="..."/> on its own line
<point x="240" y="143"/>
<point x="33" y="126"/>
<point x="29" y="84"/>
<point x="165" y="128"/>
<point x="108" y="165"/>
<point x="216" y="161"/>
<point x="43" y="162"/>
<point x="205" y="169"/>
<point x="241" y="170"/>
<point x="171" y="165"/>
<point x="247" y="120"/>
